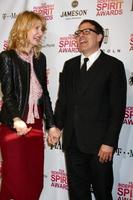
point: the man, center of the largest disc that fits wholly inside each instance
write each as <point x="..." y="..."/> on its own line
<point x="90" y="111"/>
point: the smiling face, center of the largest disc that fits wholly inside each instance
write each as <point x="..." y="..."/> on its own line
<point x="88" y="42"/>
<point x="35" y="34"/>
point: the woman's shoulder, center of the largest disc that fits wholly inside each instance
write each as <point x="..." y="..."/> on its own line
<point x="7" y="54"/>
<point x="41" y="58"/>
<point x="42" y="55"/>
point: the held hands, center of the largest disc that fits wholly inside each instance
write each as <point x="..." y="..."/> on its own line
<point x="105" y="153"/>
<point x="53" y="135"/>
<point x="20" y="126"/>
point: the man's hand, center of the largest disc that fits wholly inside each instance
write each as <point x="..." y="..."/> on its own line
<point x="105" y="153"/>
<point x="53" y="135"/>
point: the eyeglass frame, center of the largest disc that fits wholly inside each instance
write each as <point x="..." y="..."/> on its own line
<point x="78" y="32"/>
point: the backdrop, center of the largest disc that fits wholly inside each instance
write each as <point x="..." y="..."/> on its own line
<point x="63" y="17"/>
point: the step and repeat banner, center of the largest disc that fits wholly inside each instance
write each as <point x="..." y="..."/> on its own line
<point x="63" y="17"/>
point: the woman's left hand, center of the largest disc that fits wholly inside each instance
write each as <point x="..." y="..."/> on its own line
<point x="20" y="126"/>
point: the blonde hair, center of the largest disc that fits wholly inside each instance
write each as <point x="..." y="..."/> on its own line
<point x="18" y="34"/>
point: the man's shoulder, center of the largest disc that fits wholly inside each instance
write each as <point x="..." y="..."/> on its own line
<point x="73" y="59"/>
<point x="110" y="58"/>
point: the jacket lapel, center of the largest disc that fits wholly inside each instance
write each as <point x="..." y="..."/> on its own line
<point x="73" y="74"/>
<point x="93" y="72"/>
<point x="76" y="73"/>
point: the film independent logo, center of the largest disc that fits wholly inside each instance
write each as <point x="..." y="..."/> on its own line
<point x="74" y="3"/>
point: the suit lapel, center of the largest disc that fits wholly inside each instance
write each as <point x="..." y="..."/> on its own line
<point x="76" y="73"/>
<point x="93" y="72"/>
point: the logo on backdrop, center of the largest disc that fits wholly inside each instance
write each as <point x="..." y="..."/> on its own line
<point x="125" y="191"/>
<point x="5" y="44"/>
<point x="128" y="115"/>
<point x="130" y="80"/>
<point x="46" y="10"/>
<point x="106" y="35"/>
<point x="109" y="7"/>
<point x="57" y="146"/>
<point x="131" y="42"/>
<point x="126" y="154"/>
<point x="46" y="44"/>
<point x="74" y="14"/>
<point x="67" y="44"/>
<point x="111" y="51"/>
<point x="59" y="179"/>
<point x="106" y="41"/>
<point x="9" y="15"/>
<point x="74" y="4"/>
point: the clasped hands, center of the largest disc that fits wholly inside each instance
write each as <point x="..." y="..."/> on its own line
<point x="54" y="135"/>
<point x="22" y="129"/>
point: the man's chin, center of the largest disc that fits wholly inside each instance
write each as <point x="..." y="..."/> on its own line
<point x="84" y="51"/>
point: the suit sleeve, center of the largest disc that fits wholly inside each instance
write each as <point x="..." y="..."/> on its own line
<point x="60" y="107"/>
<point x="118" y="88"/>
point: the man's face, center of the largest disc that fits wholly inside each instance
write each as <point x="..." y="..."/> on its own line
<point x="87" y="39"/>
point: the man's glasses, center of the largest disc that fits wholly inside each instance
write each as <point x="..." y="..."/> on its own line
<point x="85" y="31"/>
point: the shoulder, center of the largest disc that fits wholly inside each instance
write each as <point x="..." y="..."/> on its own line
<point x="5" y="62"/>
<point x="7" y="55"/>
<point x="40" y="63"/>
<point x="111" y="59"/>
<point x="72" y="62"/>
<point x="42" y="57"/>
<point x="40" y="60"/>
<point x="73" y="59"/>
<point x="113" y="65"/>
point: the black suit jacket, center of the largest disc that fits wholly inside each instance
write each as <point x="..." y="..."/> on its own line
<point x="95" y="111"/>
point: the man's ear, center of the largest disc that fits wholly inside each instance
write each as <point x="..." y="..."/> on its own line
<point x="100" y="37"/>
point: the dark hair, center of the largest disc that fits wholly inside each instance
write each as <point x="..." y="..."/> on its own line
<point x="98" y="28"/>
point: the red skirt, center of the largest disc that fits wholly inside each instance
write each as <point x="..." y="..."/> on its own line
<point x="22" y="168"/>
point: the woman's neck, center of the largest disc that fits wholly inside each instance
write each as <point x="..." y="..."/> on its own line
<point x="26" y="51"/>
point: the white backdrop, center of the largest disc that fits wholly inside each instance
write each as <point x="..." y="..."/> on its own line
<point x="63" y="17"/>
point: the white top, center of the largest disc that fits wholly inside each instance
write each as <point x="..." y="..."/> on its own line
<point x="92" y="58"/>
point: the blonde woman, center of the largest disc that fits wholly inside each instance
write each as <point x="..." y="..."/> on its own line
<point x="25" y="103"/>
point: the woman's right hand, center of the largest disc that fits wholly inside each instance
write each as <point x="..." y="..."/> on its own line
<point x="20" y="126"/>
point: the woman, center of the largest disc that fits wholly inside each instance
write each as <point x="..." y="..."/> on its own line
<point x="26" y="102"/>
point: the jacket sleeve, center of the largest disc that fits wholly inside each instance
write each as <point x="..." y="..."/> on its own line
<point x="60" y="108"/>
<point x="117" y="96"/>
<point x="7" y="86"/>
<point x="48" y="111"/>
<point x="49" y="118"/>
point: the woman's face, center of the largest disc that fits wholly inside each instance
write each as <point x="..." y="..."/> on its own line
<point x="35" y="34"/>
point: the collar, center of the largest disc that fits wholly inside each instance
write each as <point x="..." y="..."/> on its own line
<point x="92" y="57"/>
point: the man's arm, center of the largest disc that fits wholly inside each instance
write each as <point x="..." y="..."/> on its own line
<point x="118" y="87"/>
